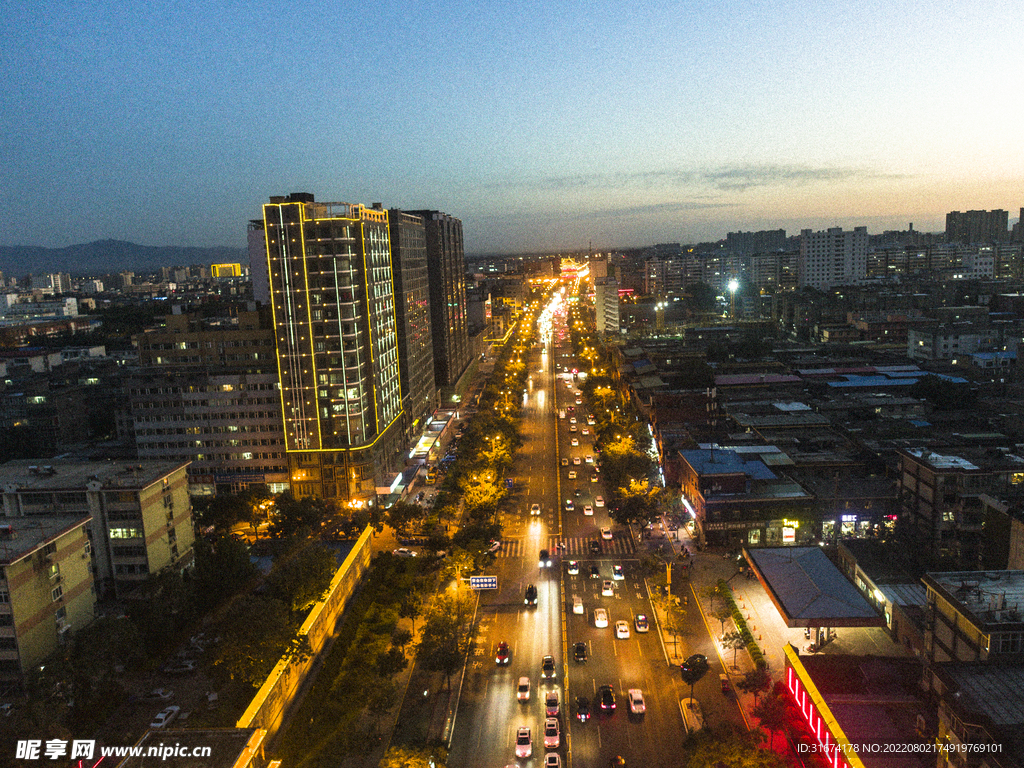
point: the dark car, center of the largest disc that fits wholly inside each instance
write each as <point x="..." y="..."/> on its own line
<point x="579" y="652"/>
<point x="607" y="696"/>
<point x="531" y="595"/>
<point x="547" y="667"/>
<point x="545" y="559"/>
<point x="502" y="656"/>
<point x="595" y="546"/>
<point x="582" y="709"/>
<point x="595" y="572"/>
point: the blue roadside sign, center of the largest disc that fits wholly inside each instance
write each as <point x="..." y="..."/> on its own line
<point x="483" y="582"/>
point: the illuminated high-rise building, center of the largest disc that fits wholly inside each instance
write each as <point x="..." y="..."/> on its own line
<point x="446" y="267"/>
<point x="332" y="294"/>
<point x="412" y="305"/>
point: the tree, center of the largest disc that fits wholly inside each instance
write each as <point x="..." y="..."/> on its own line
<point x="702" y="298"/>
<point x="411" y="608"/>
<point x="734" y="751"/>
<point x="401" y="638"/>
<point x="401" y="514"/>
<point x="414" y="757"/>
<point x="257" y="631"/>
<point x="222" y="569"/>
<point x="391" y="662"/>
<point x="723" y="613"/>
<point x="735" y="641"/>
<point x="383" y="700"/>
<point x="301" y="579"/>
<point x="444" y="641"/>
<point x="772" y="712"/>
<point x="294" y="514"/>
<point x="638" y="503"/>
<point x="675" y="620"/>
<point x="710" y="592"/>
<point x="756" y="681"/>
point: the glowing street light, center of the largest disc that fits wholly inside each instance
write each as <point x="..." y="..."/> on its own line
<point x="733" y="285"/>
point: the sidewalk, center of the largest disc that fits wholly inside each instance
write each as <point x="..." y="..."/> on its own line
<point x="770" y="632"/>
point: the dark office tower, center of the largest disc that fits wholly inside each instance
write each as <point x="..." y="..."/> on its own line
<point x="977" y="226"/>
<point x="331" y="291"/>
<point x="446" y="266"/>
<point x="412" y="307"/>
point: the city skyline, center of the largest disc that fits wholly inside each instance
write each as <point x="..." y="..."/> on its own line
<point x="541" y="128"/>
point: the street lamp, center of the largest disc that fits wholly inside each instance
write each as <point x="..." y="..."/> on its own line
<point x="733" y="285"/>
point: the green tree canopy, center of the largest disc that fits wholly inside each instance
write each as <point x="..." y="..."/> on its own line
<point x="299" y="581"/>
<point x="256" y="632"/>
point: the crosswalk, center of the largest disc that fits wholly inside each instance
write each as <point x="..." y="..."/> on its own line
<point x="577" y="546"/>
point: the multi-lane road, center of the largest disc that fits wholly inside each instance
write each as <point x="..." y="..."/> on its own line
<point x="489" y="713"/>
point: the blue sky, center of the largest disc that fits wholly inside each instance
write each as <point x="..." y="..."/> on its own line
<point x="543" y="126"/>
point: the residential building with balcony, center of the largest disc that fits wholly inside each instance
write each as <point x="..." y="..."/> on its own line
<point x="46" y="586"/>
<point x="137" y="515"/>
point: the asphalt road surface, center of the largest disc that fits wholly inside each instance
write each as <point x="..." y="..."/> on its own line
<point x="489" y="712"/>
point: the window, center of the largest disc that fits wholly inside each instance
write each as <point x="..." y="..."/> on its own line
<point x="57" y="593"/>
<point x="126" y="533"/>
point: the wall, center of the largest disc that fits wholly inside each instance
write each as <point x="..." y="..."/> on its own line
<point x="279" y="690"/>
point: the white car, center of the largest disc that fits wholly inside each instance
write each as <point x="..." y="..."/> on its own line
<point x="523" y="690"/>
<point x="574" y="442"/>
<point x="600" y="618"/>
<point x="599" y="501"/>
<point x="403" y="552"/>
<point x="577" y="604"/>
<point x="588" y="510"/>
<point x="584" y="431"/>
<point x="578" y="401"/>
<point x="607" y="589"/>
<point x="594" y="478"/>
<point x="636" y="701"/>
<point x="574" y="567"/>
<point x="606" y="533"/>
<point x="622" y="630"/>
<point x="573" y="428"/>
<point x="572" y="420"/>
<point x="590" y="459"/>
<point x="165" y="717"/>
<point x="617" y="573"/>
<point x="524" y="742"/>
<point x="576" y="460"/>
<point x="572" y="474"/>
<point x="552" y="734"/>
<point x="535" y="509"/>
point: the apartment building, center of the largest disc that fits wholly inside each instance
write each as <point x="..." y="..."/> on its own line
<point x="137" y="515"/>
<point x="833" y="257"/>
<point x="974" y="665"/>
<point x="46" y="585"/>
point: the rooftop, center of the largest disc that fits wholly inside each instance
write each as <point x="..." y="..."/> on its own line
<point x="21" y="536"/>
<point x="984" y="597"/>
<point x="32" y="475"/>
<point x="808" y="590"/>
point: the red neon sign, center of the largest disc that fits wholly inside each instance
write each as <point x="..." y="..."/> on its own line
<point x="832" y="753"/>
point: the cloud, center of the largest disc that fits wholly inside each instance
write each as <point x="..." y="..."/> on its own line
<point x="725" y="179"/>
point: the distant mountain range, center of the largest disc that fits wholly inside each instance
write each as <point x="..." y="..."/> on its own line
<point x="109" y="256"/>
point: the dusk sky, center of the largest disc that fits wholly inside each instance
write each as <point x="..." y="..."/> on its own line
<point x="543" y="126"/>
